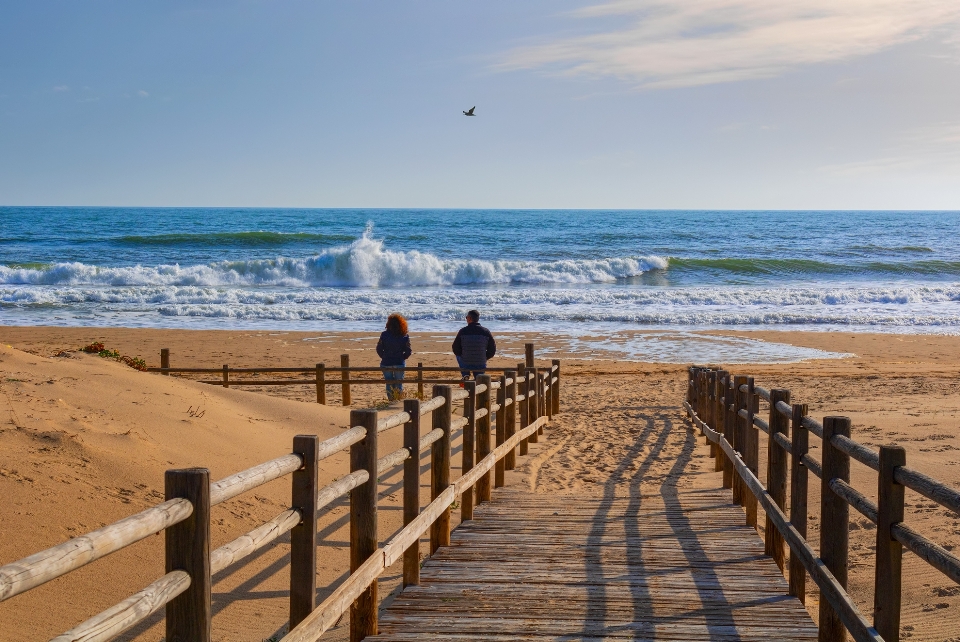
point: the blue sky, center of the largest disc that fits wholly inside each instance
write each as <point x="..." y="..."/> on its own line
<point x="619" y="104"/>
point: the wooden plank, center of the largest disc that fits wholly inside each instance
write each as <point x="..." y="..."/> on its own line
<point x="536" y="567"/>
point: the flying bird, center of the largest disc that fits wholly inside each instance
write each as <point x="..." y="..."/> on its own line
<point x="470" y="112"/>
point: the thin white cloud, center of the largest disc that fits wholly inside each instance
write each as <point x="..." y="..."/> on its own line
<point x="933" y="148"/>
<point x="142" y="94"/>
<point x="59" y="88"/>
<point x="681" y="43"/>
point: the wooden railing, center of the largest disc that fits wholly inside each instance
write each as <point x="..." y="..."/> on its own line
<point x="227" y="376"/>
<point x="184" y="518"/>
<point x="726" y="408"/>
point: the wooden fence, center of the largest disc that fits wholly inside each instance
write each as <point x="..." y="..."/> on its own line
<point x="489" y="412"/>
<point x="726" y="408"/>
<point x="347" y="375"/>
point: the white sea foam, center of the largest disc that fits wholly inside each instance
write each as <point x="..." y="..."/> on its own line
<point x="891" y="305"/>
<point x="363" y="263"/>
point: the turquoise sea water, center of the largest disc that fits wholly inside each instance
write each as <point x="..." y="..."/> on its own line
<point x="572" y="271"/>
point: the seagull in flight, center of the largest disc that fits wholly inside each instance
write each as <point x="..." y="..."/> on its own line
<point x="470" y="111"/>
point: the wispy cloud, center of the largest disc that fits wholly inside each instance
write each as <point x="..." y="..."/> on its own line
<point x="933" y="147"/>
<point x="60" y="88"/>
<point x="682" y="43"/>
<point x="142" y="93"/>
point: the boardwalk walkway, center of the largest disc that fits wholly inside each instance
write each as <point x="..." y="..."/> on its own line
<point x="675" y="566"/>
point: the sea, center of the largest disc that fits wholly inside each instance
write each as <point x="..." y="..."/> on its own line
<point x="593" y="277"/>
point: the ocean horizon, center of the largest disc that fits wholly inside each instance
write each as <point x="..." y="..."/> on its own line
<point x="574" y="272"/>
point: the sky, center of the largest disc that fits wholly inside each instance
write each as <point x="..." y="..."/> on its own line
<point x="633" y="104"/>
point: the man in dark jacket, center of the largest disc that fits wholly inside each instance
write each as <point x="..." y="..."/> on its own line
<point x="473" y="346"/>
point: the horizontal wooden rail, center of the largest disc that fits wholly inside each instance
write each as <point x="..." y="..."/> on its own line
<point x="313" y="382"/>
<point x="928" y="487"/>
<point x="326" y="368"/>
<point x="933" y="554"/>
<point x="783" y="442"/>
<point x="341" y="487"/>
<point x="812" y="465"/>
<point x="253" y="541"/>
<point x="32" y="571"/>
<point x="855" y="498"/>
<point x="239" y="483"/>
<point x="129" y="612"/>
<point x="813" y="426"/>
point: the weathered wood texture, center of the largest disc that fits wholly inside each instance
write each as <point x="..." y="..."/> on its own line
<point x="681" y="566"/>
<point x="363" y="524"/>
<point x="345" y="386"/>
<point x="303" y="537"/>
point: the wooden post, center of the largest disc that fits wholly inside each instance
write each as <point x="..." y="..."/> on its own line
<point x="751" y="454"/>
<point x="510" y="419"/>
<point x="467" y="455"/>
<point x="528" y="353"/>
<point x="499" y="469"/>
<point x="165" y="359"/>
<point x="729" y="426"/>
<point x="738" y="431"/>
<point x="533" y="404"/>
<point x="690" y="377"/>
<point x="710" y="403"/>
<point x="555" y="393"/>
<point x="226" y="376"/>
<point x="720" y="415"/>
<point x="420" y="380"/>
<point x="698" y="393"/>
<point x="776" y="474"/>
<point x="187" y="548"/>
<point x="321" y="384"/>
<point x="440" y="466"/>
<point x="303" y="537"/>
<point x="887" y="583"/>
<point x="522" y="389"/>
<point x="484" y="487"/>
<point x="345" y="377"/>
<point x="541" y="398"/>
<point x="548" y="394"/>
<point x="798" y="497"/>
<point x="363" y="523"/>
<point x="411" y="489"/>
<point x="834" y="523"/>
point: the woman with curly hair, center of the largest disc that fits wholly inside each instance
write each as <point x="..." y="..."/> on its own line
<point x="394" y="350"/>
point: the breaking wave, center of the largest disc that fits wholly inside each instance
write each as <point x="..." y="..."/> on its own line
<point x="363" y="263"/>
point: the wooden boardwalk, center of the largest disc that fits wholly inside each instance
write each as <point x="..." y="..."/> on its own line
<point x="676" y="566"/>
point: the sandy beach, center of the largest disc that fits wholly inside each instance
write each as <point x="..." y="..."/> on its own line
<point x="84" y="441"/>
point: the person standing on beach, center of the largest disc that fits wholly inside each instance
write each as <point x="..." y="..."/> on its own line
<point x="394" y="350"/>
<point x="473" y="346"/>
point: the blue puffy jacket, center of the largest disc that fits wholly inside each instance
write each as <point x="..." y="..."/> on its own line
<point x="474" y="344"/>
<point x="393" y="350"/>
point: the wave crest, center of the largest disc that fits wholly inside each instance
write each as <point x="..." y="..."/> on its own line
<point x="363" y="263"/>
